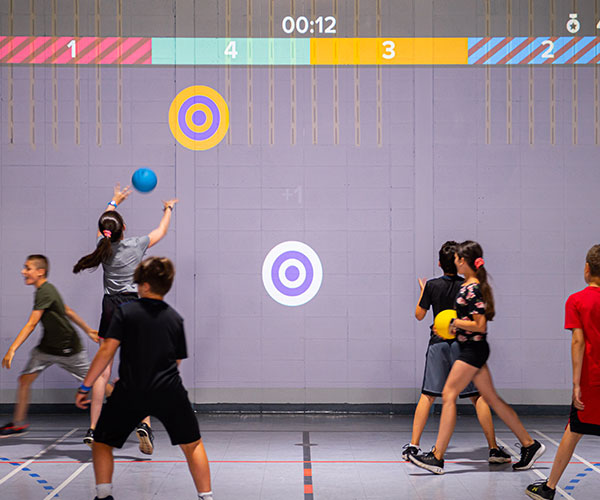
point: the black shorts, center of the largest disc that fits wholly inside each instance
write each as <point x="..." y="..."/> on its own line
<point x="474" y="352"/>
<point x="581" y="427"/>
<point x="109" y="304"/>
<point x="124" y="410"/>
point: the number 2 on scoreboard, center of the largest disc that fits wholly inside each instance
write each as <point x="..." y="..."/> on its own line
<point x="389" y="50"/>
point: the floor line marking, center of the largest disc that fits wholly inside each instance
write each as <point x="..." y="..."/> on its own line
<point x="515" y="454"/>
<point x="38" y="455"/>
<point x="308" y="483"/>
<point x="63" y="485"/>
<point x="464" y="461"/>
<point x="581" y="459"/>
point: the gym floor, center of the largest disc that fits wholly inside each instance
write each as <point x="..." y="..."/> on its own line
<point x="290" y="457"/>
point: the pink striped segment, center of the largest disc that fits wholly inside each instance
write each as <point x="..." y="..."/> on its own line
<point x="87" y="50"/>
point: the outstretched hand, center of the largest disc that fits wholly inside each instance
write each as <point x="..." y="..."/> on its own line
<point x="7" y="361"/>
<point x="93" y="335"/>
<point x="170" y="203"/>
<point x="120" y="195"/>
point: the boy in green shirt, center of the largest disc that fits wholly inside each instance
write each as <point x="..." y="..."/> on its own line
<point x="59" y="344"/>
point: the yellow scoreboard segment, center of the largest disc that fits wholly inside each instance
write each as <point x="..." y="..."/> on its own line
<point x="394" y="51"/>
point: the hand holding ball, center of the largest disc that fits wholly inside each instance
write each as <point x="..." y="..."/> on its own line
<point x="441" y="324"/>
<point x="144" y="180"/>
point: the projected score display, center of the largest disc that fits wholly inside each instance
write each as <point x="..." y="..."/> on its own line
<point x="300" y="51"/>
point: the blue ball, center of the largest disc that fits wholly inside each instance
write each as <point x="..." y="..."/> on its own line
<point x="144" y="180"/>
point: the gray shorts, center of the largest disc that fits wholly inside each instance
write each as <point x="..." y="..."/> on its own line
<point x="76" y="364"/>
<point x="438" y="362"/>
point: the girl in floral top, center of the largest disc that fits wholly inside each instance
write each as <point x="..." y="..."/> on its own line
<point x="474" y="308"/>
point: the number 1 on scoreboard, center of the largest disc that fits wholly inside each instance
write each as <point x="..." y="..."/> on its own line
<point x="72" y="46"/>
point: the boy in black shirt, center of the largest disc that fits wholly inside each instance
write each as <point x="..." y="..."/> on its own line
<point x="152" y="341"/>
<point x="440" y="294"/>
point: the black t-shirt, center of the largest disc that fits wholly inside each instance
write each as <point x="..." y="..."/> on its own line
<point x="440" y="294"/>
<point x="152" y="340"/>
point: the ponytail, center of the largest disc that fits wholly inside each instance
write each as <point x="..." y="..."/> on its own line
<point x="486" y="291"/>
<point x="472" y="252"/>
<point x="110" y="226"/>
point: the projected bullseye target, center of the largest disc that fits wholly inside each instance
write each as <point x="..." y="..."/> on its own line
<point x="292" y="273"/>
<point x="199" y="117"/>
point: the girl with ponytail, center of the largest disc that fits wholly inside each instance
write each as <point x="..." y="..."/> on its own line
<point x="119" y="256"/>
<point x="474" y="308"/>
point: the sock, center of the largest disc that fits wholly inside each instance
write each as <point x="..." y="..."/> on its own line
<point x="205" y="496"/>
<point x="415" y="445"/>
<point x="103" y="490"/>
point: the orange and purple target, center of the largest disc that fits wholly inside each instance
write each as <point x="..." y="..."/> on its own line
<point x="199" y="117"/>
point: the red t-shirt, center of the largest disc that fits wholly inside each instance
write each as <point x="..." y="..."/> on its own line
<point x="583" y="311"/>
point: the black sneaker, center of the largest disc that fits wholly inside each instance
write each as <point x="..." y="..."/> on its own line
<point x="429" y="462"/>
<point x="146" y="437"/>
<point x="109" y="497"/>
<point x="498" y="456"/>
<point x="410" y="450"/>
<point x="11" y="429"/>
<point x="529" y="454"/>
<point x="89" y="437"/>
<point x="540" y="491"/>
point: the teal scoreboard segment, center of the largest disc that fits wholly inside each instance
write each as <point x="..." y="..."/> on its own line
<point x="227" y="51"/>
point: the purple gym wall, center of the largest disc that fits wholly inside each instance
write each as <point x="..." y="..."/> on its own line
<point x="375" y="213"/>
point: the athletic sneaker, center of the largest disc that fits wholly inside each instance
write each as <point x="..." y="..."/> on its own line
<point x="410" y="450"/>
<point x="529" y="454"/>
<point x="11" y="429"/>
<point x="89" y="437"/>
<point x="540" y="491"/>
<point x="146" y="437"/>
<point x="498" y="456"/>
<point x="429" y="462"/>
<point x="109" y="497"/>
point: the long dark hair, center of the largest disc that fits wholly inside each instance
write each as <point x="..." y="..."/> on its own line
<point x="471" y="251"/>
<point x="110" y="226"/>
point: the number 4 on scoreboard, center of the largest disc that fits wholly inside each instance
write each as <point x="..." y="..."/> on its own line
<point x="230" y="50"/>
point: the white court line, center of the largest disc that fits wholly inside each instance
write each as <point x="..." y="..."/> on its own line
<point x="515" y="454"/>
<point x="67" y="481"/>
<point x="22" y="466"/>
<point x="581" y="459"/>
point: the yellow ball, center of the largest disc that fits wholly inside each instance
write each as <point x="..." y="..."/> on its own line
<point x="441" y="323"/>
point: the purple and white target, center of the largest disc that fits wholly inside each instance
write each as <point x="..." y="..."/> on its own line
<point x="292" y="273"/>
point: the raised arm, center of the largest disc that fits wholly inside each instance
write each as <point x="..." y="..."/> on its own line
<point x="34" y="319"/>
<point x="159" y="233"/>
<point x="419" y="311"/>
<point x="119" y="196"/>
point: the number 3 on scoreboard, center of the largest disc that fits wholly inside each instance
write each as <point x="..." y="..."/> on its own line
<point x="389" y="50"/>
<point x="230" y="50"/>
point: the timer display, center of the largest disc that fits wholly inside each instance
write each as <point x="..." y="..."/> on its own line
<point x="302" y="25"/>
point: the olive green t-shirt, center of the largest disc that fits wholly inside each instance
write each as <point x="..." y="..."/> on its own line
<point x="59" y="337"/>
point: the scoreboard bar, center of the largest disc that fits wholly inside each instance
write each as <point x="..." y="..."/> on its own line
<point x="497" y="51"/>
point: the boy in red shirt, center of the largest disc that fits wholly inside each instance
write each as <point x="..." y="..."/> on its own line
<point x="582" y="317"/>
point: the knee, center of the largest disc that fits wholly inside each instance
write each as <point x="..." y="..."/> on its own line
<point x="427" y="398"/>
<point x="449" y="396"/>
<point x="26" y="380"/>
